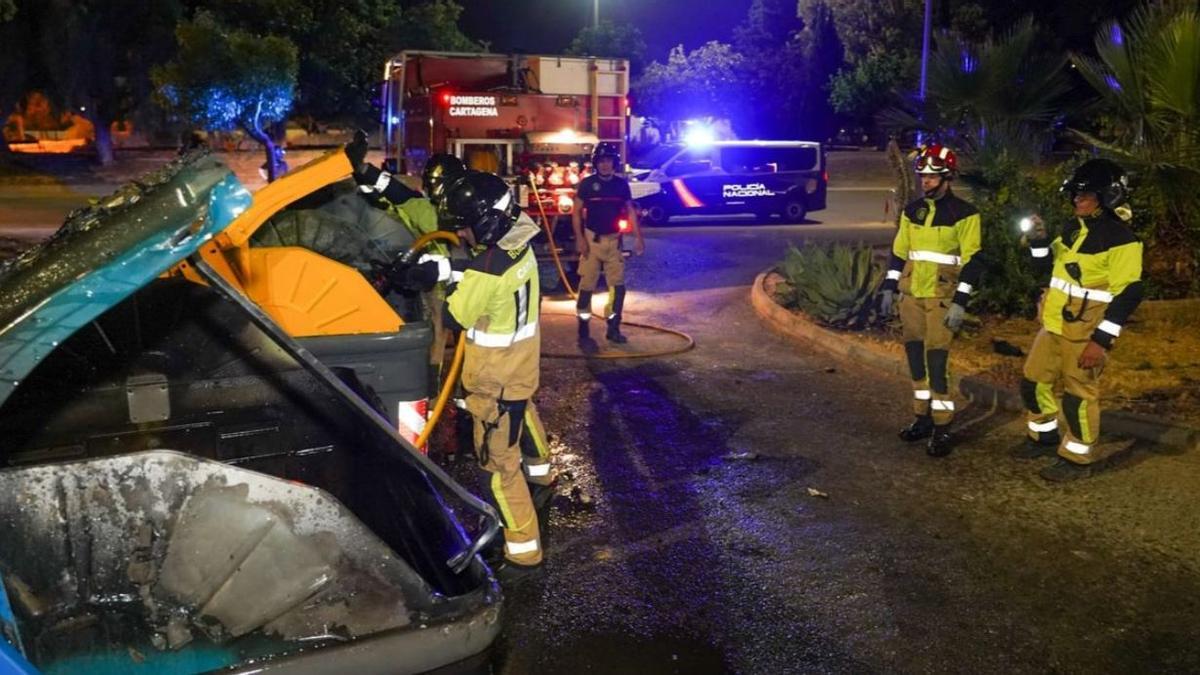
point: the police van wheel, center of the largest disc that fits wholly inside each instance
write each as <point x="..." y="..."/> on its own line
<point x="656" y="215"/>
<point x="794" y="211"/>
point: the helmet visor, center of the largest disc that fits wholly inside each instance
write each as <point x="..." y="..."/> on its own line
<point x="932" y="164"/>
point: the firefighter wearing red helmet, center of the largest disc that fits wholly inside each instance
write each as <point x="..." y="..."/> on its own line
<point x="603" y="199"/>
<point x="935" y="266"/>
<point x="1094" y="271"/>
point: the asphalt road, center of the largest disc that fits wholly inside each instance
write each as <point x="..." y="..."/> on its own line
<point x="752" y="511"/>
<point x="748" y="508"/>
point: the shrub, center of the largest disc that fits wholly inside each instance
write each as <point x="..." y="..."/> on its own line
<point x="833" y="284"/>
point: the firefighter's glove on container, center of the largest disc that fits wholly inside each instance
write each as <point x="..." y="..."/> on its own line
<point x="954" y="317"/>
<point x="356" y="152"/>
<point x="887" y="302"/>
<point x="420" y="276"/>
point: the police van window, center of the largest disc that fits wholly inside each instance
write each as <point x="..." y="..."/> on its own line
<point x="695" y="160"/>
<point x="658" y="156"/>
<point x="768" y="159"/>
<point x="749" y="160"/>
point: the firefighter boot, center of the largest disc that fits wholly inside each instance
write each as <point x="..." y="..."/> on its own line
<point x="616" y="305"/>
<point x="940" y="442"/>
<point x="583" y="310"/>
<point x="510" y="574"/>
<point x="920" y="429"/>
<point x="614" y="331"/>
<point x="1062" y="471"/>
<point x="1032" y="449"/>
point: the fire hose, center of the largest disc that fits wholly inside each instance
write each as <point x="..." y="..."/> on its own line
<point x="689" y="342"/>
<point x="456" y="362"/>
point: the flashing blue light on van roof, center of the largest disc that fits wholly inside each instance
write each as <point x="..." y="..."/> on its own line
<point x="699" y="136"/>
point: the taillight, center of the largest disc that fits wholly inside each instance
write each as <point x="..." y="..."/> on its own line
<point x="825" y="176"/>
<point x="622" y="225"/>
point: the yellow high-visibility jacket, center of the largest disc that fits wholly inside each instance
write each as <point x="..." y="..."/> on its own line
<point x="936" y="251"/>
<point x="1095" y="278"/>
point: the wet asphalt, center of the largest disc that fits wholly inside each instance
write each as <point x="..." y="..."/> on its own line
<point x="746" y="507"/>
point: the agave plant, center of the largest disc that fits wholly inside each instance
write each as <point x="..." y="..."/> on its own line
<point x="833" y="284"/>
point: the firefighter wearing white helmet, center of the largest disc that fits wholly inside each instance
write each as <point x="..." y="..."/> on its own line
<point x="1094" y="271"/>
<point x="935" y="266"/>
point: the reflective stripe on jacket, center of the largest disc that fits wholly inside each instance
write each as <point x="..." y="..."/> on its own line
<point x="1095" y="270"/>
<point x="935" y="249"/>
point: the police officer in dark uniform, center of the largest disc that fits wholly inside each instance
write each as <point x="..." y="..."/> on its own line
<point x="604" y="202"/>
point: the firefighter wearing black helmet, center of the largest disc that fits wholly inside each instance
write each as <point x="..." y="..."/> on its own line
<point x="410" y="207"/>
<point x="420" y="214"/>
<point x="494" y="298"/>
<point x="603" y="202"/>
<point x="1093" y="272"/>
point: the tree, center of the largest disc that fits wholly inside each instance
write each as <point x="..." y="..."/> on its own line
<point x="880" y="41"/>
<point x="871" y="85"/>
<point x="706" y="82"/>
<point x="768" y="24"/>
<point x="791" y="63"/>
<point x="433" y="25"/>
<point x="90" y="57"/>
<point x="1001" y="95"/>
<point x="343" y="45"/>
<point x="1147" y="76"/>
<point x="223" y="79"/>
<point x="620" y="40"/>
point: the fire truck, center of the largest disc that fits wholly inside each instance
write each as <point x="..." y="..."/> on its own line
<point x="532" y="119"/>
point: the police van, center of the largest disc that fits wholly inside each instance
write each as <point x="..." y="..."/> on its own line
<point x="764" y="178"/>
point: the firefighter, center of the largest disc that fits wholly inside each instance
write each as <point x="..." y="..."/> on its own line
<point x="420" y="214"/>
<point x="935" y="265"/>
<point x="494" y="297"/>
<point x="603" y="199"/>
<point x="1094" y="269"/>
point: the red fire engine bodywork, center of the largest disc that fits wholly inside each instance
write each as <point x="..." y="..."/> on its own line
<point x="516" y="115"/>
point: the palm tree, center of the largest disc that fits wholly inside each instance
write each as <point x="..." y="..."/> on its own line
<point x="1147" y="75"/>
<point x="991" y="94"/>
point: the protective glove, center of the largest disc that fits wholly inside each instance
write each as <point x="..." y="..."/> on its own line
<point x="954" y="317"/>
<point x="356" y="151"/>
<point x="887" y="302"/>
<point x="421" y="276"/>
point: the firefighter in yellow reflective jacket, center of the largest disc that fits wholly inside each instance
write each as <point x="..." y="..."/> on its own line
<point x="935" y="265"/>
<point x="419" y="214"/>
<point x="1095" y="270"/>
<point x="494" y="298"/>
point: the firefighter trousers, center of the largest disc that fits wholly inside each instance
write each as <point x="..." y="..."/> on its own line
<point x="604" y="256"/>
<point x="535" y="449"/>
<point x="927" y="348"/>
<point x="1053" y="365"/>
<point x="498" y="427"/>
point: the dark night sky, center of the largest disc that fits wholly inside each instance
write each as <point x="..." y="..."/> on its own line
<point x="548" y="26"/>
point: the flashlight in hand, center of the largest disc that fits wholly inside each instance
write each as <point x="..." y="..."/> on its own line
<point x="1026" y="225"/>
